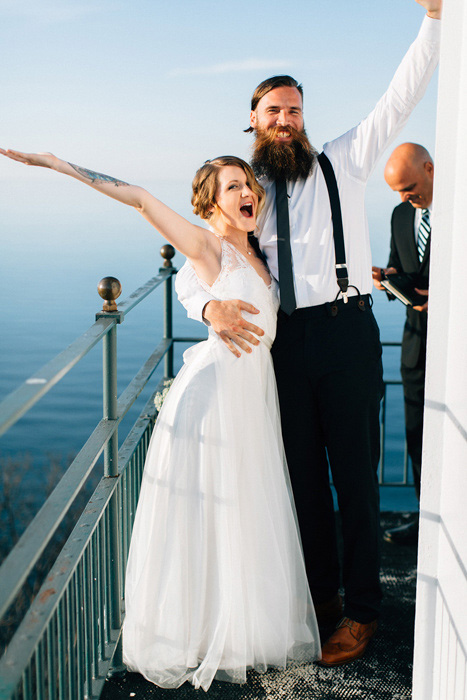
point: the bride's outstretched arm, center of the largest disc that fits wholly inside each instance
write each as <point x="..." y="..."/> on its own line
<point x="192" y="241"/>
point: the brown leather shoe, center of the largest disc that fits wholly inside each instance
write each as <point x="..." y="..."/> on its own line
<point x="348" y="642"/>
<point x="330" y="612"/>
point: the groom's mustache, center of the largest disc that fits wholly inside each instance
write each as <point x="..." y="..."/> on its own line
<point x="273" y="159"/>
<point x="267" y="137"/>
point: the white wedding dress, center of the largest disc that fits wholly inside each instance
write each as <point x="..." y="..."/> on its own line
<point x="216" y="581"/>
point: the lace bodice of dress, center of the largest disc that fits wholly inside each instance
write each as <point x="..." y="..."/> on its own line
<point x="237" y="279"/>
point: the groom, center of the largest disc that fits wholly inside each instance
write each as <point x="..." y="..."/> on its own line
<point x="327" y="353"/>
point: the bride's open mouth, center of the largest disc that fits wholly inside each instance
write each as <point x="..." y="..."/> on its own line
<point x="247" y="210"/>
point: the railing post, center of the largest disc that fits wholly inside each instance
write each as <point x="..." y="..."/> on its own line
<point x="110" y="399"/>
<point x="111" y="291"/>
<point x="168" y="252"/>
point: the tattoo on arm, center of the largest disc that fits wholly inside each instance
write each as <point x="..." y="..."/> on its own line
<point x="98" y="177"/>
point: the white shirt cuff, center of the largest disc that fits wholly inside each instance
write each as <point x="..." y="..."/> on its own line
<point x="430" y="30"/>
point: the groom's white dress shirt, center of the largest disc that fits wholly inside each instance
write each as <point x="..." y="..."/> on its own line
<point x="353" y="156"/>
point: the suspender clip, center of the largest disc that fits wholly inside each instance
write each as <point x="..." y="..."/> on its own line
<point x="342" y="279"/>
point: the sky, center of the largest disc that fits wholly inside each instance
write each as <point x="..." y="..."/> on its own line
<point x="146" y="91"/>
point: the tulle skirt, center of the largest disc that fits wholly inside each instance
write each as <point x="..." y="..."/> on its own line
<point x="216" y="581"/>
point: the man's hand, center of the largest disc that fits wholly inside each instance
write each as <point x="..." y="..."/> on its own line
<point x="226" y="319"/>
<point x="378" y="276"/>
<point x="433" y="7"/>
<point x="423" y="293"/>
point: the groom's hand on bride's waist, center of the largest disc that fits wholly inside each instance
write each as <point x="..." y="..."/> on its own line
<point x="226" y="319"/>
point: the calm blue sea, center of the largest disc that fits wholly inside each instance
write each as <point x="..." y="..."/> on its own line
<point x="49" y="298"/>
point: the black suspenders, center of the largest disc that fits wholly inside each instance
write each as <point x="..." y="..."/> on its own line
<point x="338" y="231"/>
<point x="342" y="274"/>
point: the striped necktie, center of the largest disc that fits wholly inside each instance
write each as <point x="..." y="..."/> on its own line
<point x="424" y="231"/>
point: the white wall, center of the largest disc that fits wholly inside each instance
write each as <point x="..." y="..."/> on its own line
<point x="440" y="663"/>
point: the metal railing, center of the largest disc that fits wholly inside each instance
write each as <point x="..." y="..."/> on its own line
<point x="69" y="638"/>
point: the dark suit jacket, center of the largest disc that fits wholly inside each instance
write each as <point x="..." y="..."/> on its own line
<point x="404" y="257"/>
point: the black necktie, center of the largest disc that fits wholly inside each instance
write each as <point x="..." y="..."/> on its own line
<point x="284" y="255"/>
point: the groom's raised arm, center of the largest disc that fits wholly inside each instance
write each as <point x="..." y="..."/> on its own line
<point x="225" y="317"/>
<point x="358" y="150"/>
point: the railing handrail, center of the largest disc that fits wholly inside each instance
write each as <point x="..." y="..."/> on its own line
<point x="127" y="305"/>
<point x="22" y="399"/>
<point x="16" y="404"/>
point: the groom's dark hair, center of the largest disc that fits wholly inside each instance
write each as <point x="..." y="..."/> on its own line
<point x="271" y="84"/>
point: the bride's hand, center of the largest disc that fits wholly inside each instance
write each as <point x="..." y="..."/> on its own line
<point x="44" y="160"/>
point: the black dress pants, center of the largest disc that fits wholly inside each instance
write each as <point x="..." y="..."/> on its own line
<point x="329" y="377"/>
<point x="413" y="381"/>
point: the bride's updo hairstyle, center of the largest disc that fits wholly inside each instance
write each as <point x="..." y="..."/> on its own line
<point x="205" y="184"/>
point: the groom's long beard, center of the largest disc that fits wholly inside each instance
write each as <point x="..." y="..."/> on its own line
<point x="274" y="160"/>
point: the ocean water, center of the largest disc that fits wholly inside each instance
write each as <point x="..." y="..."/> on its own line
<point x="49" y="298"/>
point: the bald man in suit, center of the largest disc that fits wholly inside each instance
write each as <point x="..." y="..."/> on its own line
<point x="409" y="171"/>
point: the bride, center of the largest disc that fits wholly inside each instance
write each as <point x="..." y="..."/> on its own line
<point x="215" y="581"/>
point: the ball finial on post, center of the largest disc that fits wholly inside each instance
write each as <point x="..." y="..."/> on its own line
<point x="109" y="289"/>
<point x="167" y="252"/>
